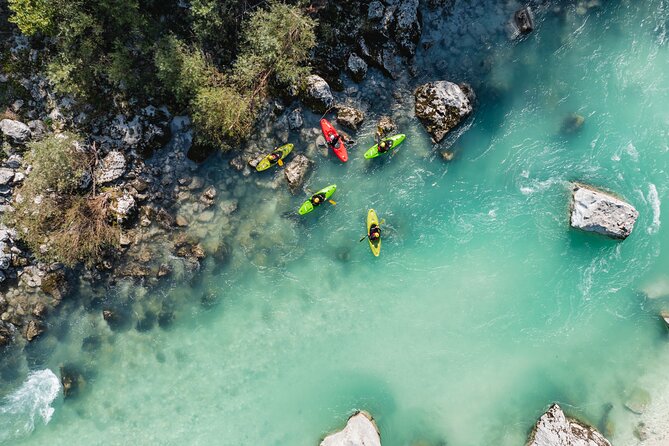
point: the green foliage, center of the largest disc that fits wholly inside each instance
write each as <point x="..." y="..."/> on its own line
<point x="276" y="42"/>
<point x="32" y="16"/>
<point x="222" y="114"/>
<point x="181" y="70"/>
<point x="57" y="165"/>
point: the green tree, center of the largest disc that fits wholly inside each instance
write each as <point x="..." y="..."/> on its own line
<point x="181" y="70"/>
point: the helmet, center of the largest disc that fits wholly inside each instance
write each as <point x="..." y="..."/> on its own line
<point x="383" y="144"/>
<point x="317" y="198"/>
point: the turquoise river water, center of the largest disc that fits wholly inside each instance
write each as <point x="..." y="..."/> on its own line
<point x="484" y="306"/>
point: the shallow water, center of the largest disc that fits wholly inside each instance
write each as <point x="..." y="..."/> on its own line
<point x="483" y="308"/>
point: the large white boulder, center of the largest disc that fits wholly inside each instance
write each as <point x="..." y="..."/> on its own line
<point x="360" y="430"/>
<point x="296" y="172"/>
<point x="442" y="105"/>
<point x="317" y="94"/>
<point x="596" y="211"/>
<point x="555" y="429"/>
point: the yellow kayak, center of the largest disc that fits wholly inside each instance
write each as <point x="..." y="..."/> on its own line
<point x="376" y="244"/>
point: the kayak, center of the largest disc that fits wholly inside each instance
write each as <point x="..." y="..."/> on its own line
<point x="265" y="164"/>
<point x="308" y="207"/>
<point x="373" y="151"/>
<point x="329" y="132"/>
<point x="376" y="244"/>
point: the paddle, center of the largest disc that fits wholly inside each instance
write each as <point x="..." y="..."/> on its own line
<point x="280" y="163"/>
<point x="332" y="202"/>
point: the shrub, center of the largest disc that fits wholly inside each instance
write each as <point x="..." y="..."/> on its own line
<point x="58" y="164"/>
<point x="276" y="43"/>
<point x="181" y="70"/>
<point x="222" y="114"/>
<point x="72" y="228"/>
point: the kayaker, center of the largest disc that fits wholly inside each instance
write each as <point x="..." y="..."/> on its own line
<point x="374" y="232"/>
<point x="334" y="140"/>
<point x="274" y="156"/>
<point x="317" y="199"/>
<point x="384" y="146"/>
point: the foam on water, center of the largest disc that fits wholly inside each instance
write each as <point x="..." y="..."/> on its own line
<point x="20" y="409"/>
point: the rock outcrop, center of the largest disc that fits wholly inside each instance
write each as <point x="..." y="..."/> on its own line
<point x="360" y="430"/>
<point x="350" y="117"/>
<point x="357" y="67"/>
<point x="111" y="168"/>
<point x="442" y="105"/>
<point x="296" y="172"/>
<point x="408" y="27"/>
<point x="555" y="429"/>
<point x="317" y="94"/>
<point x="597" y="211"/>
<point x="15" y="131"/>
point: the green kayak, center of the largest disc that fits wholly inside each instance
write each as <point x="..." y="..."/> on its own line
<point x="282" y="151"/>
<point x="395" y="141"/>
<point x="326" y="192"/>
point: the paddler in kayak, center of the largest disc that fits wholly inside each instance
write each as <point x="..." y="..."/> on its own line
<point x="384" y="146"/>
<point x="275" y="156"/>
<point x="374" y="232"/>
<point x="334" y="140"/>
<point x="317" y="199"/>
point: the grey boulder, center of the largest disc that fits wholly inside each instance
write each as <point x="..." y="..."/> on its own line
<point x="442" y="105"/>
<point x="296" y="172"/>
<point x="350" y="117"/>
<point x="596" y="211"/>
<point x="15" y="131"/>
<point x="317" y="94"/>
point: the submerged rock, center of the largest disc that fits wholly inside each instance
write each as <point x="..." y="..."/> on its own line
<point x="350" y="117"/>
<point x="357" y="67"/>
<point x="15" y="131"/>
<point x="360" y="430"/>
<point x="596" y="211"/>
<point x="572" y="123"/>
<point x="555" y="429"/>
<point x="295" y="120"/>
<point x="33" y="329"/>
<point x="317" y="94"/>
<point x="441" y="106"/>
<point x="386" y="126"/>
<point x="72" y="380"/>
<point x="523" y="21"/>
<point x="638" y="401"/>
<point x="296" y="171"/>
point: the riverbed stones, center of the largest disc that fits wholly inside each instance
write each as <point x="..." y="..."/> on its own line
<point x="6" y="176"/>
<point x="351" y="117"/>
<point x="317" y="94"/>
<point x="356" y="67"/>
<point x="296" y="172"/>
<point x="360" y="430"/>
<point x="15" y="131"/>
<point x="555" y="429"/>
<point x="595" y="211"/>
<point x="33" y="329"/>
<point x="111" y="168"/>
<point x="441" y="106"/>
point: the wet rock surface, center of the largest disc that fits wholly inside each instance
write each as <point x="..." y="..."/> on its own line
<point x="441" y="106"/>
<point x="296" y="172"/>
<point x="317" y="94"/>
<point x="555" y="429"/>
<point x="595" y="211"/>
<point x="350" y="117"/>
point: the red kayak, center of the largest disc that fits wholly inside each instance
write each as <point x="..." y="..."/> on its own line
<point x="331" y="134"/>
